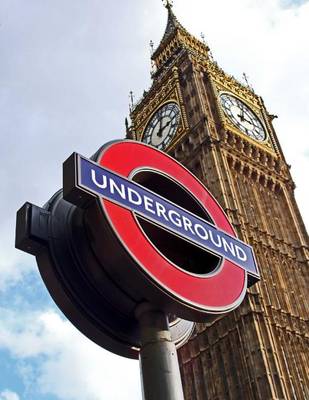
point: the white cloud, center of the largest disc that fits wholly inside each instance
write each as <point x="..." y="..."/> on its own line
<point x="70" y="366"/>
<point x="13" y="265"/>
<point x="8" y="395"/>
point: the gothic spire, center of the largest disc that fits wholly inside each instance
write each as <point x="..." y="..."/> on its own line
<point x="176" y="40"/>
<point x="172" y="21"/>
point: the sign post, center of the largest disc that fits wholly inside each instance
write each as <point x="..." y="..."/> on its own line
<point x="134" y="237"/>
<point x="158" y="356"/>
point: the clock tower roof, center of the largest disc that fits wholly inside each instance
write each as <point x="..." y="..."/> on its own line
<point x="172" y="22"/>
<point x="175" y="39"/>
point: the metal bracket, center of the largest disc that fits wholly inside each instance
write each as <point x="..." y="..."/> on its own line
<point x="31" y="228"/>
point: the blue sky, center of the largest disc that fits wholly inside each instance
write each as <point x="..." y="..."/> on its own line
<point x="65" y="75"/>
<point x="292" y="3"/>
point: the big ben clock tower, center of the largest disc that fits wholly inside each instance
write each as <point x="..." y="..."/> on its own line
<point x="221" y="130"/>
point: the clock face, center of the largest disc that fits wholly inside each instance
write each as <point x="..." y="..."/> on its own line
<point x="162" y="126"/>
<point x="243" y="117"/>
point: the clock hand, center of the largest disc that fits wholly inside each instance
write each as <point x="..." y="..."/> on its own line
<point x="241" y="115"/>
<point x="247" y="120"/>
<point x="243" y="118"/>
<point x="167" y="124"/>
<point x="161" y="129"/>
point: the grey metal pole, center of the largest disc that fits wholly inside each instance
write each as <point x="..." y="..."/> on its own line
<point x="158" y="356"/>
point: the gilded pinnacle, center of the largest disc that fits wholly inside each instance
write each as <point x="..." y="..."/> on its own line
<point x="168" y="3"/>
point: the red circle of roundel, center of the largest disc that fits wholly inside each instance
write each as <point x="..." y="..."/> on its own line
<point x="218" y="292"/>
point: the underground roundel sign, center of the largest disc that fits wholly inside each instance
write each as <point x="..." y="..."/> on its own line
<point x="160" y="233"/>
